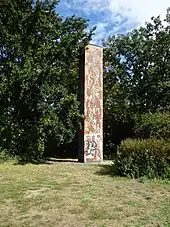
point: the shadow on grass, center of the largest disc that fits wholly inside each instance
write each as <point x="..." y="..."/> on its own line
<point x="109" y="170"/>
<point x="46" y="161"/>
<point x="31" y="161"/>
<point x="62" y="160"/>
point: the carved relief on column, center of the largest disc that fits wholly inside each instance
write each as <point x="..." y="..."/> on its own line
<point x="93" y="104"/>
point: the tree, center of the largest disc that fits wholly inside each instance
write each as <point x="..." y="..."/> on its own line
<point x="38" y="75"/>
<point x="137" y="76"/>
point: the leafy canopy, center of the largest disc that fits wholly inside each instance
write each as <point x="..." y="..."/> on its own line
<point x="136" y="77"/>
<point x="38" y="75"/>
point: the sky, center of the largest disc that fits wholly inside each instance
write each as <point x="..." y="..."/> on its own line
<point x="113" y="16"/>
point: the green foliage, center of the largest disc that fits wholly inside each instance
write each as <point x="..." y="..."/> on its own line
<point x="136" y="78"/>
<point x="153" y="125"/>
<point x="118" y="120"/>
<point x="39" y="61"/>
<point x="38" y="75"/>
<point x="5" y="156"/>
<point x="144" y="158"/>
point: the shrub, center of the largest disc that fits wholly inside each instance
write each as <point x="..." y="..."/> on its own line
<point x="5" y="156"/>
<point x="149" y="158"/>
<point x="153" y="125"/>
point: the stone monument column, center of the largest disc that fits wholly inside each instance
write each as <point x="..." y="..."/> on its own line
<point x="91" y="96"/>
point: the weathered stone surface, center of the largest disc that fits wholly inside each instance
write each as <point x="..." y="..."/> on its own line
<point x="92" y="85"/>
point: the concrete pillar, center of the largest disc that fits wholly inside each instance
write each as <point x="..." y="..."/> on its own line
<point x="91" y="95"/>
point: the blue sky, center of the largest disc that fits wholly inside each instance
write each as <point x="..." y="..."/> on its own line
<point x="113" y="16"/>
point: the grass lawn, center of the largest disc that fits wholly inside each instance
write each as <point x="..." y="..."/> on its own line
<point x="79" y="195"/>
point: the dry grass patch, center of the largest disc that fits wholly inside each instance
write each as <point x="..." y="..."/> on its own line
<point x="74" y="194"/>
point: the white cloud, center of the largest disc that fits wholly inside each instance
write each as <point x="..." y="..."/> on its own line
<point x="127" y="14"/>
<point x="96" y="5"/>
<point x="119" y="15"/>
<point x="135" y="10"/>
<point x="100" y="31"/>
<point x="139" y="11"/>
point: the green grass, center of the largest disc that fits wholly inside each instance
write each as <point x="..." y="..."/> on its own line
<point x="79" y="195"/>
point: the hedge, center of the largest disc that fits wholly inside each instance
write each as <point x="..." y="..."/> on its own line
<point x="138" y="158"/>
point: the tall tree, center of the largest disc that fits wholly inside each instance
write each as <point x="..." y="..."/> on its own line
<point x="137" y="76"/>
<point x="38" y="75"/>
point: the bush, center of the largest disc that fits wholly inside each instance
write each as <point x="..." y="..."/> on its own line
<point x="4" y="156"/>
<point x="153" y="125"/>
<point x="149" y="158"/>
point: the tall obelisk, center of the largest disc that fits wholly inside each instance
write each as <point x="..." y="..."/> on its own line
<point x="91" y="95"/>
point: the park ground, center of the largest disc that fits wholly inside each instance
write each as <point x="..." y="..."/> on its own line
<point x="77" y="195"/>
